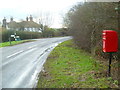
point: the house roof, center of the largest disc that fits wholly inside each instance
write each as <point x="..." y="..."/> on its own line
<point x="25" y="24"/>
<point x="29" y="24"/>
<point x="13" y="24"/>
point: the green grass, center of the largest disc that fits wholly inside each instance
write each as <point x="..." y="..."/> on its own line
<point x="69" y="67"/>
<point x="4" y="44"/>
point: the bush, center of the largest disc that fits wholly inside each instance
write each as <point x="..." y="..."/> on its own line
<point x="48" y="32"/>
<point x="23" y="34"/>
<point x="86" y="22"/>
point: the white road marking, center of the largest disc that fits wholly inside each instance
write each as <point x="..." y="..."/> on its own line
<point x="14" y="54"/>
<point x="32" y="46"/>
<point x="32" y="49"/>
<point x="29" y="47"/>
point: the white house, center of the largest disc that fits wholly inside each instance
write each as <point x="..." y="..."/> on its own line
<point x="28" y="25"/>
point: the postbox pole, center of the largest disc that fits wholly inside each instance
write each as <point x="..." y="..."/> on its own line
<point x="110" y="60"/>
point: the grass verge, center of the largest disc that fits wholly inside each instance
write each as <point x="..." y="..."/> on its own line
<point x="4" y="44"/>
<point x="69" y="67"/>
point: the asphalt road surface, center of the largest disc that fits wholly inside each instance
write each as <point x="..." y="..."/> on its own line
<point x="22" y="63"/>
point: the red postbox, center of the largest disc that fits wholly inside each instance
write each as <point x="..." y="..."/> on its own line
<point x="110" y="41"/>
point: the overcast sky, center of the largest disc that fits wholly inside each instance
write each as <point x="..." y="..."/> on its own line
<point x="20" y="9"/>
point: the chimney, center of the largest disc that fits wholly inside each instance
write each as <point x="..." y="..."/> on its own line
<point x="11" y="19"/>
<point x="4" y="22"/>
<point x="31" y="18"/>
<point x="26" y="18"/>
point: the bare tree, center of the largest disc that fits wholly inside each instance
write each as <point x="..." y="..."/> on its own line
<point x="45" y="19"/>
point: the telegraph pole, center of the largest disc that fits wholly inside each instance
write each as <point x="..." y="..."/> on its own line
<point x="119" y="42"/>
<point x="118" y="13"/>
<point x="119" y="29"/>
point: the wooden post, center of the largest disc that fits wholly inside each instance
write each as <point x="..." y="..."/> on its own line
<point x="119" y="30"/>
<point x="10" y="40"/>
<point x="119" y="42"/>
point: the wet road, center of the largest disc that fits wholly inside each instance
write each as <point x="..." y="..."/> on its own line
<point x="22" y="63"/>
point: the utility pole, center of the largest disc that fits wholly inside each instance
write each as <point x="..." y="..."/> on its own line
<point x="118" y="9"/>
<point x="118" y="13"/>
<point x="119" y="29"/>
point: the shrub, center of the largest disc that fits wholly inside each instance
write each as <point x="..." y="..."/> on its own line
<point x="23" y="35"/>
<point x="86" y="22"/>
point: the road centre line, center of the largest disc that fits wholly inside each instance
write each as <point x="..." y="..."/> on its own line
<point x="20" y="51"/>
<point x="32" y="46"/>
<point x="15" y="54"/>
<point x="32" y="49"/>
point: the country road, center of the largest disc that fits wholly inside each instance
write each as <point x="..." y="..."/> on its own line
<point x="22" y="63"/>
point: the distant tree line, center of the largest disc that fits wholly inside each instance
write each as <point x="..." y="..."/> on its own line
<point x="86" y="22"/>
